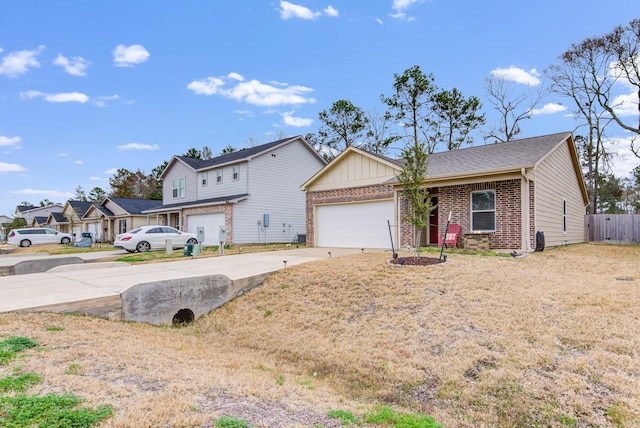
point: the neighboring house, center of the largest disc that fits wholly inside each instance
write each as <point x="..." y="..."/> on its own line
<point x="499" y="194"/>
<point x="39" y="221"/>
<point x="118" y="215"/>
<point x="28" y="212"/>
<point x="243" y="191"/>
<point x="74" y="211"/>
<point x="58" y="222"/>
<point x="5" y="225"/>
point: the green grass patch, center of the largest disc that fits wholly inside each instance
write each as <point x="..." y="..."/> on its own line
<point x="19" y="383"/>
<point x="51" y="411"/>
<point x="346" y="418"/>
<point x="12" y="345"/>
<point x="52" y="328"/>
<point x="228" y="422"/>
<point x="466" y="251"/>
<point x="387" y="417"/>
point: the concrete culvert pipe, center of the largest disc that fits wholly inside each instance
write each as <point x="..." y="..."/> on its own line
<point x="183" y="316"/>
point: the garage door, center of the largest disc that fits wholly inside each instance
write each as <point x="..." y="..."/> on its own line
<point x="357" y="225"/>
<point x="210" y="224"/>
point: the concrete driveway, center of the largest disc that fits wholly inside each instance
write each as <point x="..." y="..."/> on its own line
<point x="81" y="287"/>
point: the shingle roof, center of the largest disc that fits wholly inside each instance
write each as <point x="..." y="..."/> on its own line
<point x="23" y="208"/>
<point x="59" y="218"/>
<point x="80" y="207"/>
<point x="514" y="154"/>
<point x="221" y="199"/>
<point x="135" y="206"/>
<point x="40" y="219"/>
<point x="233" y="156"/>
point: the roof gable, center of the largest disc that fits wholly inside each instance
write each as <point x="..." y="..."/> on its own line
<point x="352" y="168"/>
<point x="135" y="206"/>
<point x="241" y="155"/>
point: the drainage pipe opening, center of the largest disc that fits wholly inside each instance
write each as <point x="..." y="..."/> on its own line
<point x="183" y="316"/>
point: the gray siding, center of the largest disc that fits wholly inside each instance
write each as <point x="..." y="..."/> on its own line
<point x="228" y="186"/>
<point x="556" y="181"/>
<point x="274" y="189"/>
<point x="179" y="170"/>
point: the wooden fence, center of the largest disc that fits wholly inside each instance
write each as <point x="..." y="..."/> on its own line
<point x="612" y="228"/>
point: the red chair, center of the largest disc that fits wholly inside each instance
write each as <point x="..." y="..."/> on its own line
<point x="451" y="240"/>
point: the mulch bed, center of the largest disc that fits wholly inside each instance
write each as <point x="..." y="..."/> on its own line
<point x="412" y="261"/>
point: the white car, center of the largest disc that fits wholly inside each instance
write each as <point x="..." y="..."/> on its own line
<point x="147" y="238"/>
<point x="37" y="235"/>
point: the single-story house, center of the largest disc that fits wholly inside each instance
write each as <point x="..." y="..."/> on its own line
<point x="117" y="215"/>
<point x="5" y="225"/>
<point x="28" y="212"/>
<point x="39" y="221"/>
<point x="58" y="221"/>
<point x="500" y="195"/>
<point x="251" y="193"/>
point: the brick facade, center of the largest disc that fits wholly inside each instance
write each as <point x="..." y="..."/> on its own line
<point x="227" y="209"/>
<point x="457" y="199"/>
<point x="337" y="196"/>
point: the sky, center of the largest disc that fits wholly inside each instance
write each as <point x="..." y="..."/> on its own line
<point x="89" y="87"/>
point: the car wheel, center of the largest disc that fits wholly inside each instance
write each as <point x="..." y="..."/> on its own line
<point x="25" y="243"/>
<point x="192" y="241"/>
<point x="143" y="246"/>
<point x="65" y="240"/>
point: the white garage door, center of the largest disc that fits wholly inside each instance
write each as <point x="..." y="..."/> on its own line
<point x="209" y="222"/>
<point x="357" y="225"/>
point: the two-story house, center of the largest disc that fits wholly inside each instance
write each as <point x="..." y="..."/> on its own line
<point x="254" y="193"/>
<point x="29" y="212"/>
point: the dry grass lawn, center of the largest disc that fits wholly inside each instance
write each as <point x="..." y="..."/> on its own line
<point x="550" y="340"/>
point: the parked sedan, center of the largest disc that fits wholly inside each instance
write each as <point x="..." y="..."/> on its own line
<point x="148" y="238"/>
<point x="37" y="235"/>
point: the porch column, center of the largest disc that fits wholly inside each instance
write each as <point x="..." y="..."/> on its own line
<point x="525" y="207"/>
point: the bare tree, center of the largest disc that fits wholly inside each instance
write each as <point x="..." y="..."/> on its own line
<point x="581" y="76"/>
<point x="513" y="107"/>
<point x="378" y="138"/>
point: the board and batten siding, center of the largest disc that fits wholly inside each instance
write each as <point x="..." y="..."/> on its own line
<point x="555" y="182"/>
<point x="274" y="188"/>
<point x="228" y="187"/>
<point x="179" y="170"/>
<point x="355" y="170"/>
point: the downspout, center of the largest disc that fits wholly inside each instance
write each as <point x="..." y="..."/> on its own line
<point x="526" y="218"/>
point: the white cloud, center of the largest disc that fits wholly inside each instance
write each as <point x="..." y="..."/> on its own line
<point x="111" y="171"/>
<point x="93" y="178"/>
<point x="19" y="62"/>
<point x="10" y="167"/>
<point x="79" y="162"/>
<point x="297" y="122"/>
<point x="253" y="91"/>
<point x="52" y="194"/>
<point x="331" y="11"/>
<point x="138" y="146"/>
<point x="75" y="66"/>
<point x="62" y="155"/>
<point x="64" y="97"/>
<point x="400" y="7"/>
<point x="379" y="21"/>
<point x="9" y="141"/>
<point x="626" y="104"/>
<point x="128" y="56"/>
<point x="102" y="100"/>
<point x="624" y="160"/>
<point x="290" y="10"/>
<point x="550" y="108"/>
<point x="517" y="75"/>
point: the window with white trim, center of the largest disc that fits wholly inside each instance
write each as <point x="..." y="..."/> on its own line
<point x="122" y="226"/>
<point x="564" y="216"/>
<point x="203" y="178"/>
<point x="236" y="173"/>
<point x="178" y="188"/>
<point x="219" y="176"/>
<point x="483" y="211"/>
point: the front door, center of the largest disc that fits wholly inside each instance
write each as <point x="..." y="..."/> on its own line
<point x="433" y="222"/>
